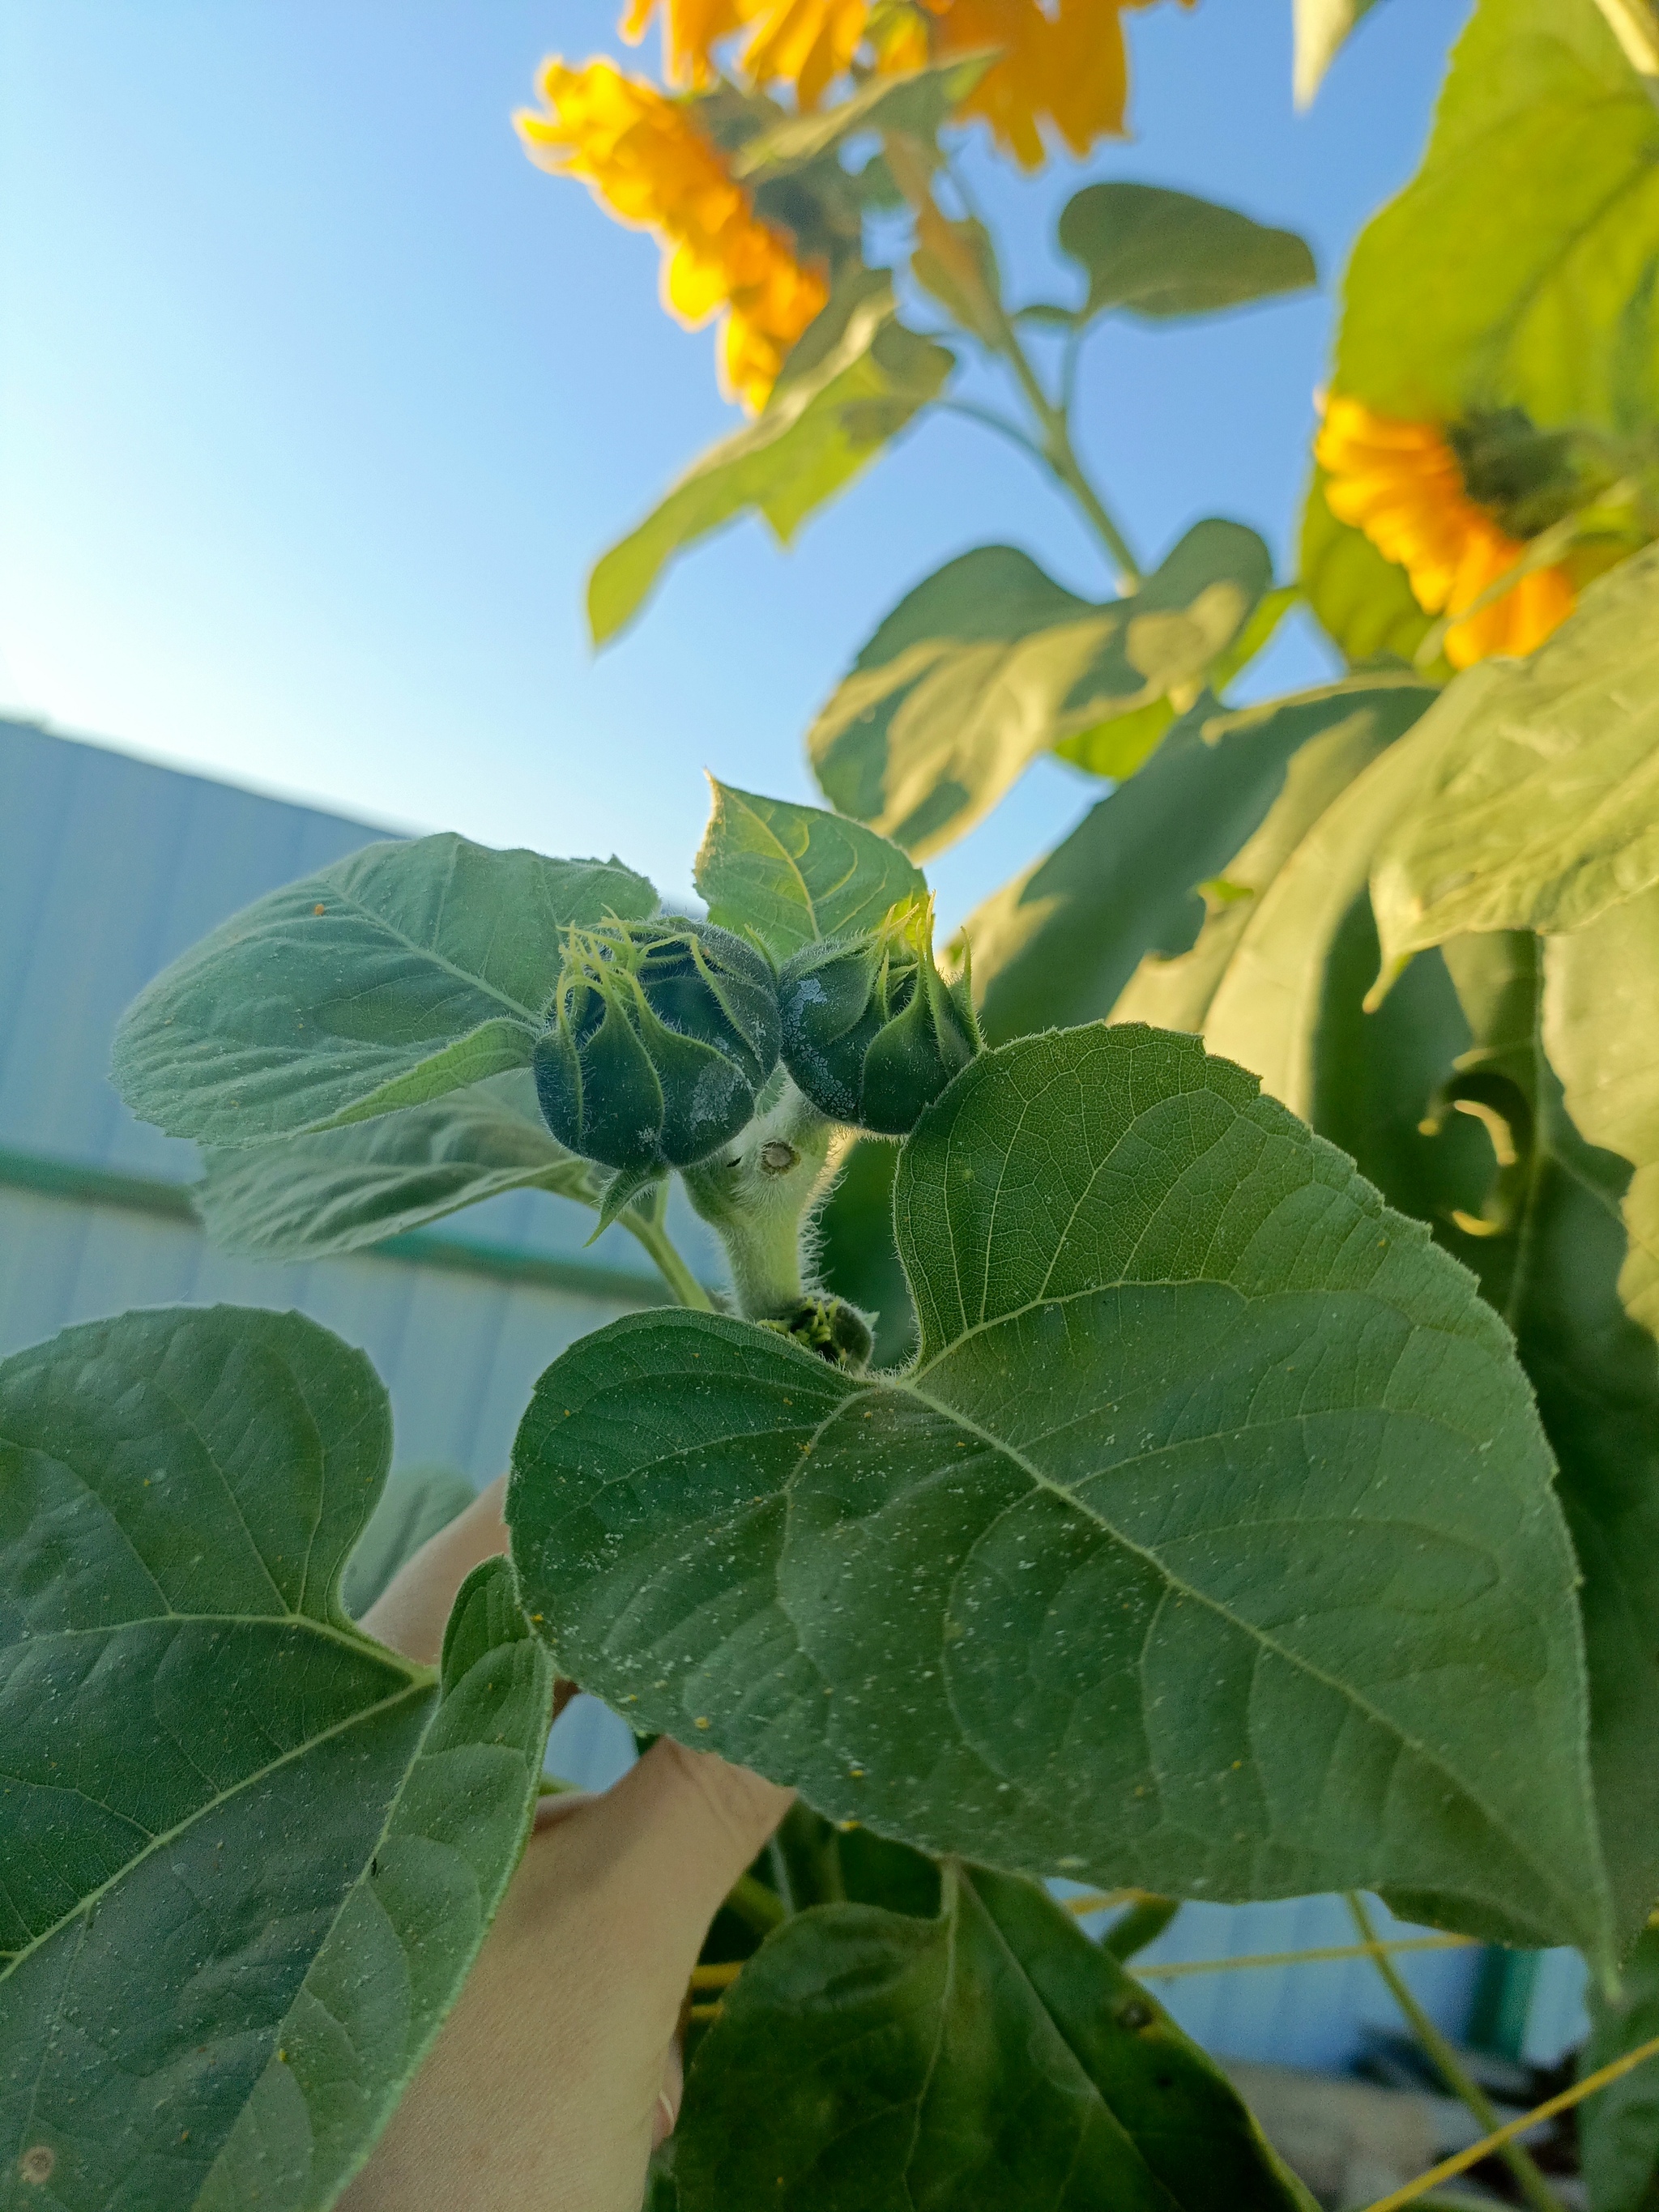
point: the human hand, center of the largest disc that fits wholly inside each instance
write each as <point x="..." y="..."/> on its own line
<point x="559" y="2068"/>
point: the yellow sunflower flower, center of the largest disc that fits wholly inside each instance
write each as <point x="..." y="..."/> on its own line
<point x="1062" y="68"/>
<point x="1400" y="482"/>
<point x="646" y="163"/>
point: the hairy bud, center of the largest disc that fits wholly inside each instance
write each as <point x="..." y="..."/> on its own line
<point x="658" y="1036"/>
<point x="871" y="1031"/>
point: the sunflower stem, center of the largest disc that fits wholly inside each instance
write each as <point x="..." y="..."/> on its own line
<point x="1530" y="2182"/>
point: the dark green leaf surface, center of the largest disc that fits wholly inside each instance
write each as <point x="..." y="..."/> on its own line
<point x="398" y="973"/>
<point x="991" y="662"/>
<point x="854" y="381"/>
<point x="339" y="1190"/>
<point x="1549" y="1248"/>
<point x="993" y="2060"/>
<point x="913" y="101"/>
<point x="789" y="876"/>
<point x="1618" y="2126"/>
<point x="1159" y="253"/>
<point x="1059" y="944"/>
<point x="1210" y="1546"/>
<point x="415" y="1504"/>
<point x="249" y="1853"/>
<point x="1541" y="809"/>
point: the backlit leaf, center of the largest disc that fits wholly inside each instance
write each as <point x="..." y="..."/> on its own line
<point x="1210" y="1546"/>
<point x="990" y="662"/>
<point x="853" y="382"/>
<point x="1540" y="808"/>
<point x="789" y="875"/>
<point x="990" y="2060"/>
<point x="249" y="1853"/>
<point x="385" y="980"/>
<point x="1150" y="252"/>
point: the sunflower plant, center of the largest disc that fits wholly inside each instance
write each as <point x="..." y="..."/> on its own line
<point x="1180" y="1418"/>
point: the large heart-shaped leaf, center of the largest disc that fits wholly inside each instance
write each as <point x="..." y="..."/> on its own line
<point x="1516" y="270"/>
<point x="1058" y="944"/>
<point x="249" y="1853"/>
<point x="990" y="2060"/>
<point x="990" y="662"/>
<point x="854" y="381"/>
<point x="1209" y="1545"/>
<point x="789" y="876"/>
<point x="1147" y="251"/>
<point x="393" y="976"/>
<point x="339" y="1190"/>
<point x="1542" y="806"/>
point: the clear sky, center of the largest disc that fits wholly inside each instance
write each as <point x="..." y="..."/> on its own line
<point x="317" y="402"/>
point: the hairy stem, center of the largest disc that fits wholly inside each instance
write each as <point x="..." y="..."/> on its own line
<point x="758" y="1194"/>
<point x="1530" y="2182"/>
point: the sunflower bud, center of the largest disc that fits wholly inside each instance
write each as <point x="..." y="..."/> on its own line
<point x="658" y="1036"/>
<point x="871" y="1030"/>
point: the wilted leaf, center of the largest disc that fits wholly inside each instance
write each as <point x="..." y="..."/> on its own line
<point x="990" y="662"/>
<point x="788" y="875"/>
<point x="1540" y="807"/>
<point x="1209" y="1546"/>
<point x="302" y="1198"/>
<point x="1059" y="943"/>
<point x="1150" y="252"/>
<point x="385" y="979"/>
<point x="990" y="2060"/>
<point x="852" y="383"/>
<point x="249" y="1853"/>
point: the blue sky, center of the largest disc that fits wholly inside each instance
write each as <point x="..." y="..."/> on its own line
<point x="317" y="402"/>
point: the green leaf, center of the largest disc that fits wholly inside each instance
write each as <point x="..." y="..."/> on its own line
<point x="788" y="876"/>
<point x="302" y="1198"/>
<point x="1548" y="1247"/>
<point x="991" y="2060"/>
<point x="1209" y="1546"/>
<point x="385" y="980"/>
<point x="852" y="383"/>
<point x="415" y="1504"/>
<point x="1602" y="1032"/>
<point x="1338" y="732"/>
<point x="1541" y="808"/>
<point x="1618" y="2126"/>
<point x="249" y="1853"/>
<point x="1059" y="944"/>
<point x="1159" y="253"/>
<point x="1322" y="27"/>
<point x="916" y="101"/>
<point x="990" y="662"/>
<point x="1507" y="272"/>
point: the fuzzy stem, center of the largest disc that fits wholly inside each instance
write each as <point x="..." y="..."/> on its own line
<point x="1530" y="2182"/>
<point x="758" y="1193"/>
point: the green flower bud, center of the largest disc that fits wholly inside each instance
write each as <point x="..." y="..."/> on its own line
<point x="658" y="1036"/>
<point x="871" y="1030"/>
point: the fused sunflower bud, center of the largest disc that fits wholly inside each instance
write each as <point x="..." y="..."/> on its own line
<point x="658" y="1036"/>
<point x="871" y="1030"/>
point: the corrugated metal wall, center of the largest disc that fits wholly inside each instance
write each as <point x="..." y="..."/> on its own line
<point x="109" y="867"/>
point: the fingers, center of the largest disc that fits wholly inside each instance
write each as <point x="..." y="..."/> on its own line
<point x="410" y="1612"/>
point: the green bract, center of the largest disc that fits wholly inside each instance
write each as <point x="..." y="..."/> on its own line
<point x="660" y="1034"/>
<point x="871" y="1030"/>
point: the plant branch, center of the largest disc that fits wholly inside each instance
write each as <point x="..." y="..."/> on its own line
<point x="992" y="421"/>
<point x="1530" y="2182"/>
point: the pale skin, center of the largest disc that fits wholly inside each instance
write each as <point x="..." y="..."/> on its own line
<point x="559" y="2068"/>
